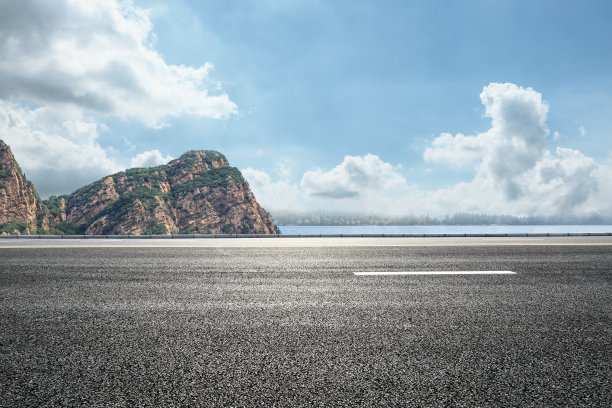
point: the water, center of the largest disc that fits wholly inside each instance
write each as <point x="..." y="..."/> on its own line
<point x="444" y="229"/>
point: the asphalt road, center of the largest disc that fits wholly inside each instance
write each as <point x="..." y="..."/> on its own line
<point x="291" y="325"/>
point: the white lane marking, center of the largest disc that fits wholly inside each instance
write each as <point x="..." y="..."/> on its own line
<point x="434" y="273"/>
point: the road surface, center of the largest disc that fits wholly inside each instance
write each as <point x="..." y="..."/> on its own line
<point x="288" y="322"/>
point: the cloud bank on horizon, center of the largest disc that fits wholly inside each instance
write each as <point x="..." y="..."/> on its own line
<point x="66" y="65"/>
<point x="514" y="173"/>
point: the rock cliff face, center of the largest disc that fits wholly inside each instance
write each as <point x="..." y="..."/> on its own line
<point x="196" y="193"/>
<point x="21" y="210"/>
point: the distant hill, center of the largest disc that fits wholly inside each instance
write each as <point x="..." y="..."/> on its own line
<point x="21" y="210"/>
<point x="197" y="193"/>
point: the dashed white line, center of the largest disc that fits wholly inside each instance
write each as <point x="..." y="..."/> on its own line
<point x="391" y="273"/>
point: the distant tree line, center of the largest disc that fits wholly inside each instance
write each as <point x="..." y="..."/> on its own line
<point x="353" y="218"/>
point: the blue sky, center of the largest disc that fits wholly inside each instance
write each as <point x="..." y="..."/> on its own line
<point x="325" y="104"/>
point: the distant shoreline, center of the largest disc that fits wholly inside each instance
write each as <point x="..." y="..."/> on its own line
<point x="374" y="230"/>
<point x="444" y="229"/>
<point x="344" y="219"/>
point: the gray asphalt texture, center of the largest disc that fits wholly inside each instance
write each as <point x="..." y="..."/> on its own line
<point x="294" y="327"/>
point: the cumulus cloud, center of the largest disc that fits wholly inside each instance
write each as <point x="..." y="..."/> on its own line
<point x="456" y="150"/>
<point x="57" y="149"/>
<point x="359" y="183"/>
<point x="98" y="56"/>
<point x="515" y="171"/>
<point x="512" y="146"/>
<point x="569" y="177"/>
<point x="280" y="194"/>
<point x="518" y="135"/>
<point x="150" y="158"/>
<point x="353" y="177"/>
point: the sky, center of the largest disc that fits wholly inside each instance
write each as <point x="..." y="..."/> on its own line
<point x="390" y="107"/>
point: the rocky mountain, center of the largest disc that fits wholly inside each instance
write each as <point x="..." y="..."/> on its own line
<point x="21" y="209"/>
<point x="196" y="193"/>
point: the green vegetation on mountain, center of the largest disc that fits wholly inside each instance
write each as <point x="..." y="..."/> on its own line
<point x="15" y="227"/>
<point x="196" y="193"/>
<point x="213" y="178"/>
<point x="4" y="171"/>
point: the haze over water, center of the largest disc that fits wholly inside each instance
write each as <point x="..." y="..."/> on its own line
<point x="444" y="229"/>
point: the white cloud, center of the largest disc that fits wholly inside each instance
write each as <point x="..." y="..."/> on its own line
<point x="511" y="147"/>
<point x="98" y="56"/>
<point x="57" y="149"/>
<point x="516" y="173"/>
<point x="455" y="151"/>
<point x="359" y="183"/>
<point x="274" y="195"/>
<point x="564" y="181"/>
<point x="150" y="158"/>
<point x="353" y="177"/>
<point x="582" y="131"/>
<point x="518" y="135"/>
